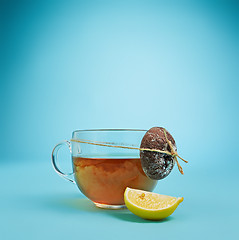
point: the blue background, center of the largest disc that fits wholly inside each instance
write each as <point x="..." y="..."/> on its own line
<point x="68" y="65"/>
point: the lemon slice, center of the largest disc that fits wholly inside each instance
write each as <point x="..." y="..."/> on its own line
<point x="150" y="205"/>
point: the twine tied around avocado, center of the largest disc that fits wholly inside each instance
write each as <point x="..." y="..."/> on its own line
<point x="172" y="152"/>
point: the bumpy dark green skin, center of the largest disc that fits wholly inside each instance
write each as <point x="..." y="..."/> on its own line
<point x="157" y="165"/>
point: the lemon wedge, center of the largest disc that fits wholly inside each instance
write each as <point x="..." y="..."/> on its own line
<point x="150" y="205"/>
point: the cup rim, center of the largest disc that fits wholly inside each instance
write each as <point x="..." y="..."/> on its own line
<point x="110" y="130"/>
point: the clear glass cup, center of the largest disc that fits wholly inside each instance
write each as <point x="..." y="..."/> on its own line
<point x="101" y="169"/>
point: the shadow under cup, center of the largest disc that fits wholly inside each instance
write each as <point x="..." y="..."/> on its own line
<point x="101" y="169"/>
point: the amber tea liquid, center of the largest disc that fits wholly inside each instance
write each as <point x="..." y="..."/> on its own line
<point x="103" y="180"/>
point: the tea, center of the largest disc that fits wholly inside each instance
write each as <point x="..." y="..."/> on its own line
<point x="103" y="180"/>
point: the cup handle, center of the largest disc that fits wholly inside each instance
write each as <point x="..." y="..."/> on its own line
<point x="54" y="157"/>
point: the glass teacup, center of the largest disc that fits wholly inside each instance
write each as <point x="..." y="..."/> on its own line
<point x="105" y="163"/>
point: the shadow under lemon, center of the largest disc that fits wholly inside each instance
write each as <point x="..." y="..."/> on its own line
<point x="83" y="204"/>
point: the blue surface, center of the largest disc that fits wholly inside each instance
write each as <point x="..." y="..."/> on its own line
<point x="68" y="65"/>
<point x="37" y="204"/>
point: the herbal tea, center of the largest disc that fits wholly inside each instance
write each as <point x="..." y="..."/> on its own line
<point x="104" y="180"/>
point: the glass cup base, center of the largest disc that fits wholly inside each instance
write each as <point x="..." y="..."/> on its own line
<point x="113" y="207"/>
